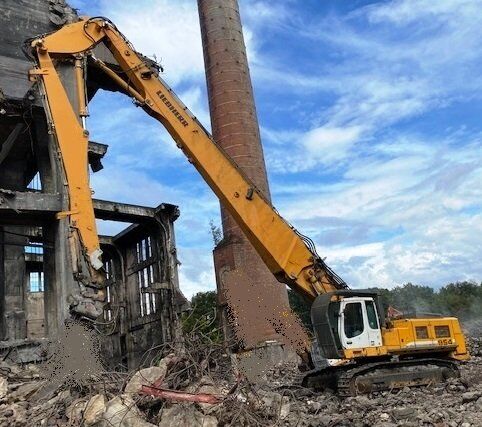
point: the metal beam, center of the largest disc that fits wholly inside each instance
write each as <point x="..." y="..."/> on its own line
<point x="122" y="212"/>
<point x="26" y="202"/>
<point x="96" y="153"/>
<point x="97" y="149"/>
<point x="23" y="208"/>
<point x="19" y="204"/>
<point x="6" y="147"/>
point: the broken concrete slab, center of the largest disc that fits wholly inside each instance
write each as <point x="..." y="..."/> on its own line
<point x="94" y="410"/>
<point x="186" y="415"/>
<point x="147" y="376"/>
<point x="3" y="387"/>
<point x="122" y="412"/>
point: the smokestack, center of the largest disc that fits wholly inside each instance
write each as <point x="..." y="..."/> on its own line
<point x="235" y="128"/>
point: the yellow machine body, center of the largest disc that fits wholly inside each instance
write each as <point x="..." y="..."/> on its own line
<point x="420" y="335"/>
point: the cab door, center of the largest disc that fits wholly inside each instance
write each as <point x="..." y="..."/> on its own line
<point x="373" y="324"/>
<point x="353" y="331"/>
<point x="359" y="325"/>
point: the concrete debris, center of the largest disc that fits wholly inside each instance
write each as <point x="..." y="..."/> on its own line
<point x="403" y="413"/>
<point x="185" y="415"/>
<point x="147" y="376"/>
<point x="113" y="399"/>
<point x="75" y="411"/>
<point x="3" y="387"/>
<point x="122" y="412"/>
<point x="24" y="391"/>
<point x="471" y="396"/>
<point x="94" y="410"/>
<point x="169" y="361"/>
<point x="474" y="344"/>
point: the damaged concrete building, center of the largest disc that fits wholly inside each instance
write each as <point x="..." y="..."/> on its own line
<point x="38" y="290"/>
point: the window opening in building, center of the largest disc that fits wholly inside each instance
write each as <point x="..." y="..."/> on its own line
<point x="145" y="277"/>
<point x="36" y="281"/>
<point x="35" y="184"/>
<point x="34" y="248"/>
<point x="109" y="275"/>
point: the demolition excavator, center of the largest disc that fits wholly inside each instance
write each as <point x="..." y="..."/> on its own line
<point x="373" y="353"/>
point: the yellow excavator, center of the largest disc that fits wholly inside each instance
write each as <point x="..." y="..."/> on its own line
<point x="372" y="352"/>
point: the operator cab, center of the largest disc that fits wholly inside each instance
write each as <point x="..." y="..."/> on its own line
<point x="345" y="320"/>
<point x="358" y="323"/>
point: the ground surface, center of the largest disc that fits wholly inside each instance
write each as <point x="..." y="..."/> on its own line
<point x="112" y="399"/>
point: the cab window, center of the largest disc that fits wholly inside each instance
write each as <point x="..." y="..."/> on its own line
<point x="372" y="314"/>
<point x="353" y="315"/>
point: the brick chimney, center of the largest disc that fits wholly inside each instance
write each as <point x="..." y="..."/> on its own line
<point x="235" y="128"/>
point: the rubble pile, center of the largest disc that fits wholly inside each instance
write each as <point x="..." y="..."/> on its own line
<point x="474" y="345"/>
<point x="179" y="390"/>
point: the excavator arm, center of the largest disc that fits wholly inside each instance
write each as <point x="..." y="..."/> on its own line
<point x="291" y="257"/>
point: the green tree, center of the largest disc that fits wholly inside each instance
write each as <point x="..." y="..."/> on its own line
<point x="216" y="233"/>
<point x="461" y="299"/>
<point x="301" y="307"/>
<point x="203" y="319"/>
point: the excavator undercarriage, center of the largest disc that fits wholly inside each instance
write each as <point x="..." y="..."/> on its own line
<point x="353" y="379"/>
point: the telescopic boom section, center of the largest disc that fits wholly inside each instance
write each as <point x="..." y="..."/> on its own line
<point x="282" y="248"/>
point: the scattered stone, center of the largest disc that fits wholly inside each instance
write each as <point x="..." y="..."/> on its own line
<point x="479" y="404"/>
<point x="94" y="409"/>
<point x="281" y="401"/>
<point x="122" y="412"/>
<point x="25" y="391"/>
<point x="9" y="413"/>
<point x="186" y="415"/>
<point x="470" y="396"/>
<point x="3" y="387"/>
<point x="147" y="376"/>
<point x="384" y="416"/>
<point x="403" y="413"/>
<point x="314" y="407"/>
<point x="74" y="412"/>
<point x="206" y="385"/>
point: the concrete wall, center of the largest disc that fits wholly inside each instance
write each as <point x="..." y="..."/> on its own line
<point x="26" y="147"/>
<point x="19" y="20"/>
<point x="138" y="328"/>
<point x="35" y="316"/>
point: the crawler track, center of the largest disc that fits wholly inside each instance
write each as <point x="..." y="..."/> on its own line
<point x="350" y="380"/>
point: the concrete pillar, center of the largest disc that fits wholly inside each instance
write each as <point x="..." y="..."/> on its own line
<point x="12" y="176"/>
<point x="235" y="128"/>
<point x="58" y="275"/>
<point x="14" y="267"/>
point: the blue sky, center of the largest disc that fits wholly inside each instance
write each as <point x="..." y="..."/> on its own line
<point x="370" y="116"/>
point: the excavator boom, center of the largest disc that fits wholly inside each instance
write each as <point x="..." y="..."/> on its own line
<point x="290" y="256"/>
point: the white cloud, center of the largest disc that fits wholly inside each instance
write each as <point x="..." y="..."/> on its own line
<point x="328" y="144"/>
<point x="420" y="211"/>
<point x="196" y="101"/>
<point x="169" y="30"/>
<point x="402" y="12"/>
<point x="382" y="74"/>
<point x="196" y="274"/>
